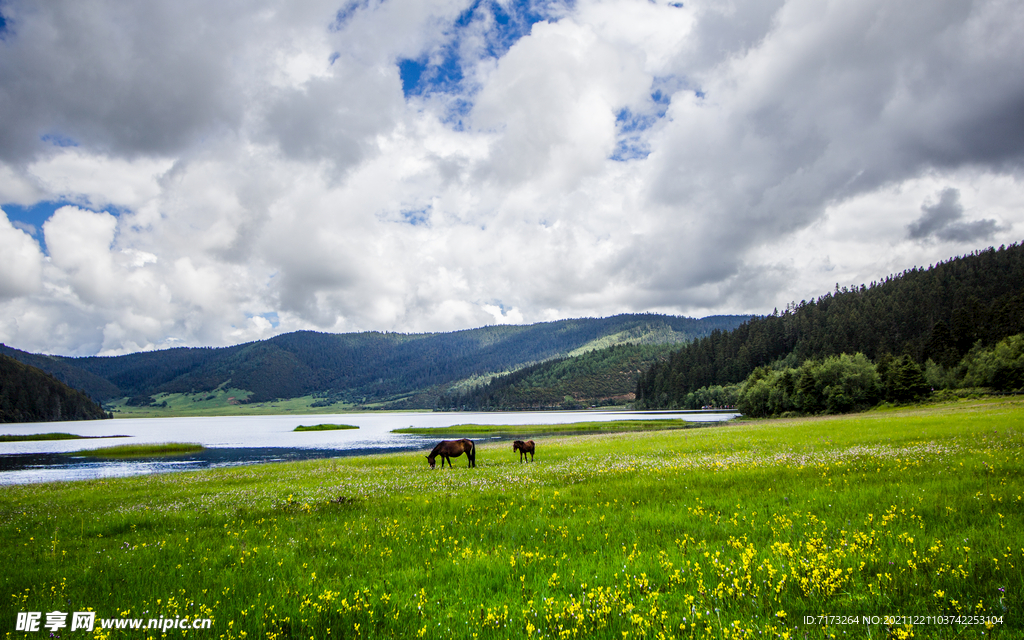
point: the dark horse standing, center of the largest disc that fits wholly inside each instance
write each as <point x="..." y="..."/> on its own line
<point x="449" y="449"/>
<point x="524" y="448"/>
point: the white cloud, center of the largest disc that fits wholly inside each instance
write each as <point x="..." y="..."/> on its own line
<point x="16" y="188"/>
<point x="21" y="261"/>
<point x="229" y="163"/>
<point x="98" y="180"/>
<point x="552" y="102"/>
<point x="79" y="245"/>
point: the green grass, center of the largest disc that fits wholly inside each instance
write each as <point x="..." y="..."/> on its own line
<point x="142" y="450"/>
<point x="611" y="426"/>
<point x="324" y="427"/>
<point x="49" y="436"/>
<point x="733" y="531"/>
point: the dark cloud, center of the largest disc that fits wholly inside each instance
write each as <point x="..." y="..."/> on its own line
<point x="944" y="221"/>
<point x="130" y="79"/>
<point x="333" y="118"/>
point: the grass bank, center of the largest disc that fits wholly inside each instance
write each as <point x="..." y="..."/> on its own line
<point x="31" y="437"/>
<point x="612" y="426"/>
<point x="735" y="531"/>
<point x="324" y="427"/>
<point x="142" y="450"/>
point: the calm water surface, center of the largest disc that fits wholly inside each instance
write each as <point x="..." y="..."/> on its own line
<point x="234" y="440"/>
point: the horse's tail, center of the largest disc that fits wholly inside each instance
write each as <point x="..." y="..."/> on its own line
<point x="472" y="452"/>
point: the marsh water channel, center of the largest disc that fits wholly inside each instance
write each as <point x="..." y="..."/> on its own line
<point x="238" y="440"/>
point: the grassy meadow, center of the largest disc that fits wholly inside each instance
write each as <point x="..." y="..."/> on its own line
<point x="733" y="531"/>
<point x="222" y="402"/>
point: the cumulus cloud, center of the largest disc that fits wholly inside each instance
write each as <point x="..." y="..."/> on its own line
<point x="21" y="262"/>
<point x="222" y="173"/>
<point x="79" y="245"/>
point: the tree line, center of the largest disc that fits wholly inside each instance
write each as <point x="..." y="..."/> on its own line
<point x="844" y="383"/>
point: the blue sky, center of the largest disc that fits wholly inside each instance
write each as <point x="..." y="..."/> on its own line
<point x="32" y="216"/>
<point x="434" y="165"/>
<point x="441" y="70"/>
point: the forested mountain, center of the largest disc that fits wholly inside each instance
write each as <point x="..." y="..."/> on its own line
<point x="96" y="387"/>
<point x="28" y="394"/>
<point x="600" y="377"/>
<point x="935" y="314"/>
<point x="406" y="370"/>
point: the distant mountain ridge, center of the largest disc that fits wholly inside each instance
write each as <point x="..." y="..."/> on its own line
<point x="394" y="369"/>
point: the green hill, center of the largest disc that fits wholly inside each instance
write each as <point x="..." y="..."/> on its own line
<point x="392" y="370"/>
<point x="28" y="394"/>
<point x="595" y="378"/>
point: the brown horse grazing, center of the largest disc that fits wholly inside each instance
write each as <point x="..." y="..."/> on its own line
<point x="449" y="449"/>
<point x="524" y="448"/>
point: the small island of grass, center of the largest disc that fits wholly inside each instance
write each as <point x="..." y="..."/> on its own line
<point x="32" y="437"/>
<point x="142" y="450"/>
<point x="613" y="426"/>
<point x="324" y="427"/>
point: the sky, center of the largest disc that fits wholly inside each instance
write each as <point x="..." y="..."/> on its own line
<point x="193" y="173"/>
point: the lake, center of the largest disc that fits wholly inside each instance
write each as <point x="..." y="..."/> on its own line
<point x="236" y="440"/>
